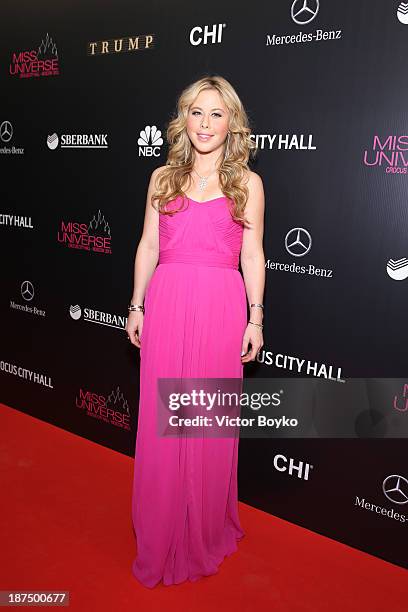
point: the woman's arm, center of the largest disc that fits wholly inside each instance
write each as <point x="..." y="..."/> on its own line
<point x="147" y="252"/>
<point x="253" y="263"/>
<point x="146" y="258"/>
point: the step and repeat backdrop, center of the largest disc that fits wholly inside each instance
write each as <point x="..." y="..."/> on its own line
<point x="87" y="93"/>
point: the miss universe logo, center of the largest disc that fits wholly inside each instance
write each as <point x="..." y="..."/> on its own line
<point x="112" y="409"/>
<point x="93" y="236"/>
<point x="42" y="61"/>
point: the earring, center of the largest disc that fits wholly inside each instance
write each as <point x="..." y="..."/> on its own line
<point x="185" y="156"/>
<point x="226" y="147"/>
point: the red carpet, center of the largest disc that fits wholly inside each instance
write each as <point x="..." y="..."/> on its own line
<point x="66" y="525"/>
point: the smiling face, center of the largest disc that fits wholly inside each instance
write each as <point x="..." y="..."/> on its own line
<point x="207" y="121"/>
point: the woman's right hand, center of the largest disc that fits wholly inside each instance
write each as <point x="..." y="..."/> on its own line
<point x="134" y="326"/>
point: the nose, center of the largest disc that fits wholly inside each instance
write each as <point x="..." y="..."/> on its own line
<point x="205" y="122"/>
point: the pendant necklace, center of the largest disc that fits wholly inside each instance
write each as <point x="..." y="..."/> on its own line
<point x="203" y="180"/>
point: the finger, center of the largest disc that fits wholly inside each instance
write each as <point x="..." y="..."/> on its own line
<point x="245" y="358"/>
<point x="132" y="337"/>
<point x="244" y="347"/>
<point x="254" y="352"/>
<point x="251" y="356"/>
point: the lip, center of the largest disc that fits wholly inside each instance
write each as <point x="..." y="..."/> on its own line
<point x="204" y="136"/>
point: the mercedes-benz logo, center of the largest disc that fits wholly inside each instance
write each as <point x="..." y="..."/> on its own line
<point x="27" y="290"/>
<point x="298" y="242"/>
<point x="395" y="488"/>
<point x="6" y="131"/>
<point x="304" y="11"/>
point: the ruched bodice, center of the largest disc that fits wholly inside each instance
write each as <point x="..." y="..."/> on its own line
<point x="203" y="233"/>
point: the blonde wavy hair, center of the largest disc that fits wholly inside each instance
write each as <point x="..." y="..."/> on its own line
<point x="172" y="180"/>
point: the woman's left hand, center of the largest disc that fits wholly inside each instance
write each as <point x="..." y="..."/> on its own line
<point x="253" y="336"/>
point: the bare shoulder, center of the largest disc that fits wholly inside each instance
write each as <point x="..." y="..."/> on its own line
<point x="156" y="172"/>
<point x="151" y="190"/>
<point x="256" y="196"/>
<point x="152" y="181"/>
<point x="159" y="169"/>
<point x="254" y="183"/>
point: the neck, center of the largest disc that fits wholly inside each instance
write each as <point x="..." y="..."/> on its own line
<point x="205" y="163"/>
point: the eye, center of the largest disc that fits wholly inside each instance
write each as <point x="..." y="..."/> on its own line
<point x="195" y="112"/>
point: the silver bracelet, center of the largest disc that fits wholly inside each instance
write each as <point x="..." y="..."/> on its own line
<point x="136" y="308"/>
<point x="259" y="305"/>
<point x="257" y="324"/>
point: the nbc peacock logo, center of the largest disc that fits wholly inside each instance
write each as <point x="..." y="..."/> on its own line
<point x="150" y="141"/>
<point x="397" y="269"/>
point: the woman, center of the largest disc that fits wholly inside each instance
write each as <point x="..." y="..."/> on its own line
<point x="204" y="213"/>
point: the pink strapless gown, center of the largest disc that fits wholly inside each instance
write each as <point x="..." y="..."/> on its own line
<point x="185" y="494"/>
